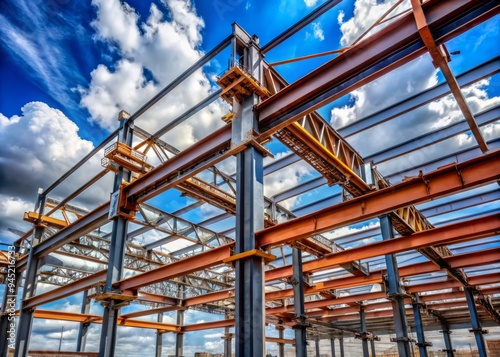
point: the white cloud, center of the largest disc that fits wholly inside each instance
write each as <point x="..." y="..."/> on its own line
<point x="317" y="32"/>
<point x="154" y="52"/>
<point x="310" y="3"/>
<point x="366" y="13"/>
<point x="38" y="147"/>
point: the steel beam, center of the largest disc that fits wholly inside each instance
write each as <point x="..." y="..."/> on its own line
<point x="159" y="337"/>
<point x="179" y="337"/>
<point x="476" y="323"/>
<point x="419" y="327"/>
<point x="447" y="339"/>
<point x="467" y="78"/>
<point x="299" y="299"/>
<point x="182" y="267"/>
<point x="30" y="283"/>
<point x="81" y="340"/>
<point x="116" y="256"/>
<point x="389" y="48"/>
<point x="440" y="59"/>
<point x="394" y="291"/>
<point x="445" y="180"/>
<point x="362" y="322"/>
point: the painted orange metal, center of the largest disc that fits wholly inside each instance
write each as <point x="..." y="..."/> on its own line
<point x="182" y="267"/>
<point x="449" y="179"/>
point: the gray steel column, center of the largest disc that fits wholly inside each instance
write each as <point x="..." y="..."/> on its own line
<point x="341" y="344"/>
<point x="159" y="337"/>
<point x="227" y="343"/>
<point x="116" y="258"/>
<point x="419" y="327"/>
<point x="476" y="323"/>
<point x="298" y="304"/>
<point x="447" y="339"/>
<point x="179" y="337"/>
<point x="30" y="280"/>
<point x="394" y="292"/>
<point x="84" y="326"/>
<point x="364" y="341"/>
<point x="249" y="283"/>
<point x="332" y="343"/>
<point x="281" y="346"/>
<point x="316" y="342"/>
<point x="372" y="345"/>
<point x="7" y="319"/>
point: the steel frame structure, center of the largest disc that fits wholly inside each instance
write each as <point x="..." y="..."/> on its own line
<point x="280" y="266"/>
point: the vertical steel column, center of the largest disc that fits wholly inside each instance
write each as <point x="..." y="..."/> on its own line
<point x="7" y="319"/>
<point x="341" y="344"/>
<point x="417" y="316"/>
<point x="332" y="343"/>
<point x="316" y="342"/>
<point x="116" y="257"/>
<point x="249" y="283"/>
<point x="159" y="337"/>
<point x="26" y="315"/>
<point x="447" y="339"/>
<point x="395" y="292"/>
<point x="281" y="345"/>
<point x="372" y="345"/>
<point x="227" y="340"/>
<point x="364" y="341"/>
<point x="84" y="326"/>
<point x="298" y="304"/>
<point x="476" y="323"/>
<point x="179" y="337"/>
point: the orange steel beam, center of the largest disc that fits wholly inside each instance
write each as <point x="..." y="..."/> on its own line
<point x="449" y="179"/>
<point x="182" y="267"/>
<point x="462" y="231"/>
<point x="486" y="257"/>
<point x="66" y="290"/>
<point x="152" y="311"/>
<point x="208" y="325"/>
<point x="150" y="297"/>
<point x="441" y="60"/>
<point x="77" y="317"/>
<point x="355" y="67"/>
<point x="286" y="341"/>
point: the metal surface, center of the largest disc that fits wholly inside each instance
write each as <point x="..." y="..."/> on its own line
<point x="298" y="298"/>
<point x="476" y="323"/>
<point x="362" y="323"/>
<point x="394" y="292"/>
<point x="419" y="327"/>
<point x="81" y="339"/>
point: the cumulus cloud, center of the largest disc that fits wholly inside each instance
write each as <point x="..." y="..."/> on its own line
<point x="38" y="147"/>
<point x="153" y="53"/>
<point x="310" y="3"/>
<point x="366" y="13"/>
<point x="398" y="85"/>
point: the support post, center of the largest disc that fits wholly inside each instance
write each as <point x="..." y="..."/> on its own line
<point x="364" y="340"/>
<point x="316" y="341"/>
<point x="227" y="343"/>
<point x="341" y="344"/>
<point x="84" y="326"/>
<point x="298" y="298"/>
<point x="159" y="337"/>
<point x="116" y="257"/>
<point x="372" y="345"/>
<point x="332" y="344"/>
<point x="475" y="322"/>
<point x="419" y="327"/>
<point x="30" y="280"/>
<point x="281" y="345"/>
<point x="7" y="320"/>
<point x="179" y="337"/>
<point x="249" y="283"/>
<point x="395" y="292"/>
<point x="447" y="339"/>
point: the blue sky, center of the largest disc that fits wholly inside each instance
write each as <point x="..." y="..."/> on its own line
<point x="68" y="67"/>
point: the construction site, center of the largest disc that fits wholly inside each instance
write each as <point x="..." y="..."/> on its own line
<point x="372" y="264"/>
